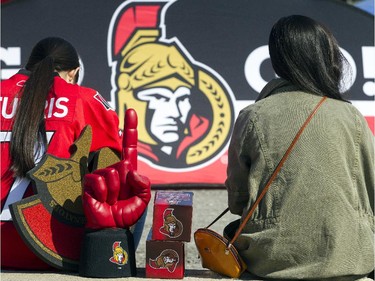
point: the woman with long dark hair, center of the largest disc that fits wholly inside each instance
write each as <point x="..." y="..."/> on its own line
<point x="44" y="110"/>
<point x="316" y="220"/>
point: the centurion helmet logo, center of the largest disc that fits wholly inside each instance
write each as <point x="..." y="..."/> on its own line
<point x="120" y="256"/>
<point x="172" y="227"/>
<point x="185" y="107"/>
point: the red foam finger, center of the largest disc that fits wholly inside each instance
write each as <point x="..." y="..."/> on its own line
<point x="130" y="139"/>
<point x="112" y="182"/>
<point x="127" y="212"/>
<point x="123" y="168"/>
<point x="95" y="185"/>
<point x="140" y="186"/>
<point x="99" y="215"/>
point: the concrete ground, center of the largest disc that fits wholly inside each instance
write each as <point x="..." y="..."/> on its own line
<point x="207" y="205"/>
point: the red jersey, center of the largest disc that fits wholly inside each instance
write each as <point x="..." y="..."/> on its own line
<point x="69" y="108"/>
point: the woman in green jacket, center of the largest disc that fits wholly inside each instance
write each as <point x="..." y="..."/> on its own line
<point x="316" y="220"/>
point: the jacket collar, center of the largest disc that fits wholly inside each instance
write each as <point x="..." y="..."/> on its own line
<point x="276" y="86"/>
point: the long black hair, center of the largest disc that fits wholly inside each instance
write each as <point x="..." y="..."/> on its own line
<point x="49" y="55"/>
<point x="305" y="52"/>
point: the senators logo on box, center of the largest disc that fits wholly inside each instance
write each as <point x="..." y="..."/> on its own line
<point x="165" y="259"/>
<point x="172" y="227"/>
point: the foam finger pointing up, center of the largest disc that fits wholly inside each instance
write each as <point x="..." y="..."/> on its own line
<point x="130" y="139"/>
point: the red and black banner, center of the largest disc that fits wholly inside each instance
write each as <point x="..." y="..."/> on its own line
<point x="186" y="67"/>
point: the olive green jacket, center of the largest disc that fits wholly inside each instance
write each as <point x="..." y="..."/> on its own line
<point x="316" y="220"/>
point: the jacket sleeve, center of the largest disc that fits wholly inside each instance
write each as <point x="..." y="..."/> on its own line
<point x="237" y="182"/>
<point x="366" y="166"/>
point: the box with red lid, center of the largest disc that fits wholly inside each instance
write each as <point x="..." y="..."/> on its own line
<point x="172" y="217"/>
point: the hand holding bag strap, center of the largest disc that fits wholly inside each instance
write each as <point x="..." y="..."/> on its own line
<point x="273" y="176"/>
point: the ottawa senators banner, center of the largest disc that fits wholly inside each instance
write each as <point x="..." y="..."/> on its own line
<point x="186" y="66"/>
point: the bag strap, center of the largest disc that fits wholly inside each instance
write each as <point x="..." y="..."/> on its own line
<point x="219" y="216"/>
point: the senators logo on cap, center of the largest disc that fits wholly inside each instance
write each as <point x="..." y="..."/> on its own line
<point x="120" y="256"/>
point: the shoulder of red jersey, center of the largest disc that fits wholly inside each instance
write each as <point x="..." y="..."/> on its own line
<point x="94" y="97"/>
<point x="15" y="81"/>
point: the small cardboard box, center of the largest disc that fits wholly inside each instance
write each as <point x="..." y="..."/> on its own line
<point x="165" y="259"/>
<point x="172" y="216"/>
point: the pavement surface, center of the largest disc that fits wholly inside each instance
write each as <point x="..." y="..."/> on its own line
<point x="207" y="205"/>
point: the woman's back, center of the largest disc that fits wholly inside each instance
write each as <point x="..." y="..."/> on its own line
<point x="316" y="220"/>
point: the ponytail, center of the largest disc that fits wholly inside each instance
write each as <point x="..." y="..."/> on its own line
<point x="28" y="133"/>
<point x="29" y="119"/>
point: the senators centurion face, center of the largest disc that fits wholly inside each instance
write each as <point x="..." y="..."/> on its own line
<point x="185" y="110"/>
<point x="167" y="259"/>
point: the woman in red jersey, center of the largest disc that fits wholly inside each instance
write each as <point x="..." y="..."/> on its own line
<point x="43" y="110"/>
